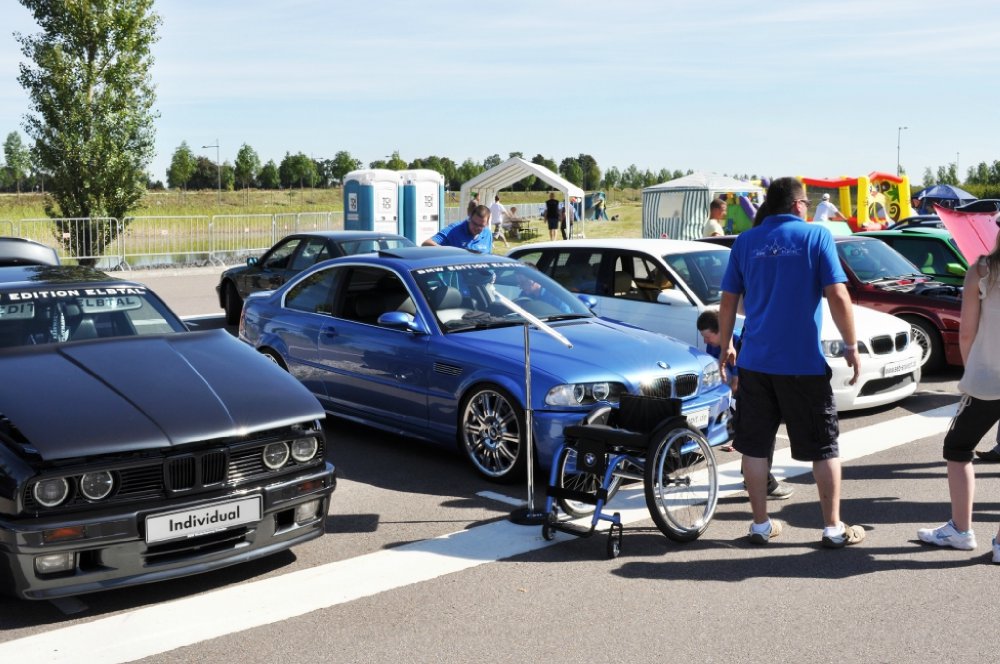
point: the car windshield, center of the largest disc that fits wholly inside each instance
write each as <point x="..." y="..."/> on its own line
<point x="702" y="271"/>
<point x="470" y="295"/>
<point x="71" y="313"/>
<point x="873" y="260"/>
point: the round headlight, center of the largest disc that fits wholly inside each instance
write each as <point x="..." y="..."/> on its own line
<point x="276" y="455"/>
<point x="96" y="485"/>
<point x="304" y="449"/>
<point x="579" y="393"/>
<point x="51" y="492"/>
<point x="601" y="391"/>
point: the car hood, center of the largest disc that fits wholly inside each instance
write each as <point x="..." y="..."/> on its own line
<point x="599" y="348"/>
<point x="143" y="393"/>
<point x="867" y="323"/>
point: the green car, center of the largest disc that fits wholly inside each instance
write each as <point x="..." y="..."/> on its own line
<point x="932" y="250"/>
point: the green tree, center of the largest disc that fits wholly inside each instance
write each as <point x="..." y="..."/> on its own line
<point x="491" y="161"/>
<point x="247" y="166"/>
<point x="343" y="163"/>
<point x="298" y="169"/>
<point x="612" y="178"/>
<point x="182" y="166"/>
<point x="269" y="176"/>
<point x="468" y="170"/>
<point x="91" y="96"/>
<point x="591" y="172"/>
<point x="18" y="159"/>
<point x="206" y="174"/>
<point x="395" y="162"/>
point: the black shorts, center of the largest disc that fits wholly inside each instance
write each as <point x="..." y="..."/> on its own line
<point x="804" y="403"/>
<point x="553" y="224"/>
<point x="974" y="419"/>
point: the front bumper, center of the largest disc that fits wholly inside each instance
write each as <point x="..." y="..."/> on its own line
<point x="879" y="382"/>
<point x="113" y="552"/>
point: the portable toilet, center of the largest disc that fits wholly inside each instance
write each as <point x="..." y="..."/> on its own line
<point x="423" y="203"/>
<point x="371" y="201"/>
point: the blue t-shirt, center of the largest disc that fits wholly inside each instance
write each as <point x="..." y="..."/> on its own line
<point x="458" y="235"/>
<point x="781" y="268"/>
<point x="716" y="352"/>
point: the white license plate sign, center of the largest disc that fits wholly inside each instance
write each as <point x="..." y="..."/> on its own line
<point x="901" y="367"/>
<point x="698" y="419"/>
<point x="204" y="519"/>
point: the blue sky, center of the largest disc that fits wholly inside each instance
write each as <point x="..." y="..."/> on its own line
<point x="770" y="88"/>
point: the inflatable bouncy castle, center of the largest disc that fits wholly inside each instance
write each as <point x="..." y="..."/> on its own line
<point x="870" y="202"/>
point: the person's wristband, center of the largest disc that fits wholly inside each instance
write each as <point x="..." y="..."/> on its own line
<point x="850" y="346"/>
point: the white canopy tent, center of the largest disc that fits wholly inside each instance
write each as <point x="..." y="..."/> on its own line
<point x="489" y="183"/>
<point x="678" y="209"/>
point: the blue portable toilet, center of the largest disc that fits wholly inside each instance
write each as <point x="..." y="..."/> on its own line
<point x="423" y="203"/>
<point x="371" y="201"/>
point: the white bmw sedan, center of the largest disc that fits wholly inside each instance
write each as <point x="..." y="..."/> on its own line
<point x="663" y="285"/>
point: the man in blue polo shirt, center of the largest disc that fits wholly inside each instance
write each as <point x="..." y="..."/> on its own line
<point x="783" y="267"/>
<point x="473" y="233"/>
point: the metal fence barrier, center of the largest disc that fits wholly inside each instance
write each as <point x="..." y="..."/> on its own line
<point x="157" y="241"/>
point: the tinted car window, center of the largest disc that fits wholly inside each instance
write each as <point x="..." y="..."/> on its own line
<point x="314" y="293"/>
<point x="702" y="271"/>
<point x="278" y="259"/>
<point x="351" y="247"/>
<point x="926" y="254"/>
<point x="312" y="252"/>
<point x="370" y="292"/>
<point x="575" y="269"/>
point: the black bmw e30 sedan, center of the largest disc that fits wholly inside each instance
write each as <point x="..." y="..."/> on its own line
<point x="132" y="450"/>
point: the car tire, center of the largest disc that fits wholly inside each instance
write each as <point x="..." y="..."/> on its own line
<point x="924" y="335"/>
<point x="491" y="432"/>
<point x="274" y="357"/>
<point x="232" y="303"/>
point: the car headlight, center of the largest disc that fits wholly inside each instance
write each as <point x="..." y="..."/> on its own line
<point x="711" y="376"/>
<point x="51" y="492"/>
<point x="583" y="394"/>
<point x="304" y="449"/>
<point x="97" y="485"/>
<point x="275" y="455"/>
<point x="835" y="348"/>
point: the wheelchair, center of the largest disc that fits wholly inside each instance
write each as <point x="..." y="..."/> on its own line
<point x="644" y="439"/>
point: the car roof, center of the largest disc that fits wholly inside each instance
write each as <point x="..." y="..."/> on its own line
<point x="350" y="235"/>
<point x="911" y="230"/>
<point x="412" y="258"/>
<point x="33" y="276"/>
<point x="21" y="251"/>
<point x="654" y="246"/>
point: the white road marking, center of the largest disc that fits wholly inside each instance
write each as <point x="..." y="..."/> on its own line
<point x="156" y="629"/>
<point x="502" y="498"/>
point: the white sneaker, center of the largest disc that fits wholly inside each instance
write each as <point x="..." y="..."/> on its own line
<point x="996" y="552"/>
<point x="948" y="535"/>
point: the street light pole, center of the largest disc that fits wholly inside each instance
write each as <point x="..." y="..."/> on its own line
<point x="218" y="167"/>
<point x="899" y="132"/>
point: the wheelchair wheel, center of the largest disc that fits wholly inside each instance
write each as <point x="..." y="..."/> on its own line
<point x="568" y="477"/>
<point x="681" y="483"/>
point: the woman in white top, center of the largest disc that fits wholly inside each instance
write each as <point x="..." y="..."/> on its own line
<point x="979" y="410"/>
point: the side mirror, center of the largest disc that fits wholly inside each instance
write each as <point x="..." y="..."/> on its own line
<point x="673" y="297"/>
<point x="252" y="261"/>
<point x="956" y="269"/>
<point x="399" y="320"/>
<point x="588" y="300"/>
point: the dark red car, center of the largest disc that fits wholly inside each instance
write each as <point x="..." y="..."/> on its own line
<point x="879" y="277"/>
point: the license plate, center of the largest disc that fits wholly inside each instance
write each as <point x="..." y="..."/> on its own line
<point x="202" y="520"/>
<point x="900" y="367"/>
<point x="698" y="419"/>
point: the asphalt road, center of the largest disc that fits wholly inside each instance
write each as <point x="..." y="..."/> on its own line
<point x="420" y="564"/>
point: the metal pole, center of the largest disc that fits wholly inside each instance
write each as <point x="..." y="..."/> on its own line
<point x="899" y="133"/>
<point x="218" y="167"/>
<point x="528" y="515"/>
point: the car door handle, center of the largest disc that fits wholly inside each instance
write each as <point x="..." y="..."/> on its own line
<point x="328" y="331"/>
